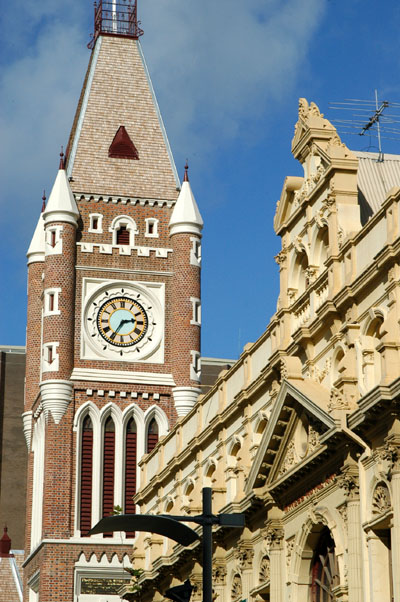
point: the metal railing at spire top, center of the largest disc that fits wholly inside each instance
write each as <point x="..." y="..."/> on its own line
<point x="116" y="17"/>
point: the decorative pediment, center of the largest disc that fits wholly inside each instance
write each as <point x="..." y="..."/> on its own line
<point x="298" y="422"/>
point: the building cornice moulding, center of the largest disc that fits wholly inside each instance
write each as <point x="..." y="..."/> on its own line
<point x="123" y="200"/>
<point x="121" y="376"/>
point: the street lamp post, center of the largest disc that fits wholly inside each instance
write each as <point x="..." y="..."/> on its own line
<point x="170" y="526"/>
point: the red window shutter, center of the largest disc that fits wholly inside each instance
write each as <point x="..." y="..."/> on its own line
<point x="108" y="469"/>
<point x="86" y="477"/>
<point x="152" y="435"/>
<point x="123" y="236"/>
<point x="130" y="469"/>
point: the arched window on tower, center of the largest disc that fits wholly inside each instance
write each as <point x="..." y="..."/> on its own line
<point x="108" y="469"/>
<point x="123" y="236"/>
<point x="86" y="477"/>
<point x="130" y="468"/>
<point x="152" y="435"/>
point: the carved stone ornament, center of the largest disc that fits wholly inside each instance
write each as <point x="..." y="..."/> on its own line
<point x="281" y="258"/>
<point x="313" y="440"/>
<point x="348" y="482"/>
<point x="389" y="459"/>
<point x="289" y="551"/>
<point x="343" y="512"/>
<point x="265" y="569"/>
<point x="289" y="460"/>
<point x="337" y="401"/>
<point x="311" y="273"/>
<point x="381" y="499"/>
<point x="273" y="538"/>
<point x="197" y="582"/>
<point x="236" y="590"/>
<point x="318" y="374"/>
<point x="244" y="554"/>
<point x="219" y="574"/>
<point x="329" y="203"/>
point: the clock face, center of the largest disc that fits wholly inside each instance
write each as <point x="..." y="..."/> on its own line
<point x="122" y="321"/>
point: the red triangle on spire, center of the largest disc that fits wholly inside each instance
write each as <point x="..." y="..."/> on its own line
<point x="122" y="146"/>
<point x="5" y="544"/>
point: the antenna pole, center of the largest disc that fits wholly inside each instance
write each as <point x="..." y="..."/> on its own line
<point x="380" y="158"/>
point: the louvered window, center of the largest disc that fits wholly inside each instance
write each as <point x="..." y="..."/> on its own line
<point x="152" y="436"/>
<point x="108" y="469"/>
<point x="86" y="477"/>
<point x="123" y="236"/>
<point x="130" y="468"/>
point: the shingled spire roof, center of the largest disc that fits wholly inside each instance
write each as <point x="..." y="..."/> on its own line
<point x="118" y="92"/>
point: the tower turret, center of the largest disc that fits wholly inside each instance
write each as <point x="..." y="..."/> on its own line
<point x="60" y="222"/>
<point x="185" y="228"/>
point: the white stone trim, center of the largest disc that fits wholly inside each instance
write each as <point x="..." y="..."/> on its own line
<point x="50" y="364"/>
<point x="118" y="376"/>
<point x="55" y="249"/>
<point x="195" y="366"/>
<point x="196" y="307"/>
<point x="99" y="217"/>
<point x="47" y="295"/>
<point x="27" y="427"/>
<point x="125" y="200"/>
<point x="141" y="251"/>
<point x="38" y="446"/>
<point x="195" y="252"/>
<point x="129" y="223"/>
<point x="154" y="222"/>
<point x="56" y="397"/>
<point x="185" y="399"/>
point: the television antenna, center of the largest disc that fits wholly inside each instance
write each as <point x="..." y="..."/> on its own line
<point x="369" y="117"/>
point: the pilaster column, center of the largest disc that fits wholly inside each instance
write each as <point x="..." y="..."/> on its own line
<point x="348" y="481"/>
<point x="276" y="557"/>
<point x="391" y="453"/>
<point x="245" y="554"/>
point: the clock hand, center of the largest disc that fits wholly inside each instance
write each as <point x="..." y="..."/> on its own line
<point x="123" y="322"/>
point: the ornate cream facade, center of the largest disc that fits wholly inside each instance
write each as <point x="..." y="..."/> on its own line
<point x="302" y="433"/>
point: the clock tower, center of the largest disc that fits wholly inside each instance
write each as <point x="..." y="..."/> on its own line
<point x="113" y="333"/>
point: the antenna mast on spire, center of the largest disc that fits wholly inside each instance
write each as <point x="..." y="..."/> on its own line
<point x="116" y="18"/>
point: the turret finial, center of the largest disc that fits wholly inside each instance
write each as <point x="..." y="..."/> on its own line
<point x="44" y="201"/>
<point x="186" y="177"/>
<point x="62" y="165"/>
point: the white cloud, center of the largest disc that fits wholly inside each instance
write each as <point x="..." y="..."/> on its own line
<point x="218" y="67"/>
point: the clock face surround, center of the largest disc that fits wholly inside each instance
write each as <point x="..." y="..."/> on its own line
<point x="123" y="319"/>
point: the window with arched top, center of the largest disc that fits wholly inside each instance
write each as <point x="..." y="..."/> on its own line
<point x="371" y="358"/>
<point x="123" y="230"/>
<point x="86" y="476"/>
<point x="322" y="247"/>
<point x="130" y="468"/>
<point x="152" y="435"/>
<point x="108" y="468"/>
<point x="324" y="569"/>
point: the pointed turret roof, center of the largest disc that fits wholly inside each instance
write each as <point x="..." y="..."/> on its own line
<point x="37" y="247"/>
<point x="61" y="206"/>
<point x="186" y="215"/>
<point x="118" y="96"/>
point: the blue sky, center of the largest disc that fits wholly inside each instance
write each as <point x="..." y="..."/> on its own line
<point x="228" y="76"/>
